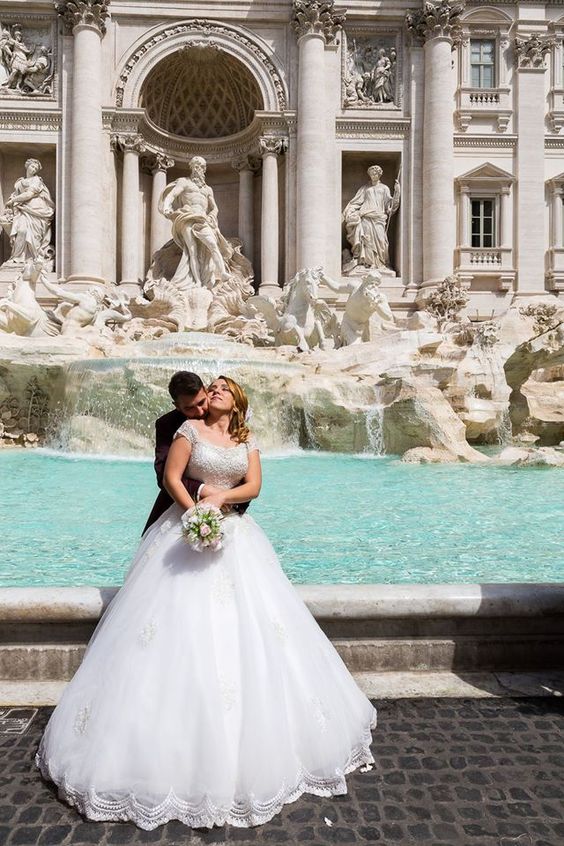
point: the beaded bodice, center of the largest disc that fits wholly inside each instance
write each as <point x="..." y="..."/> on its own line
<point x="216" y="465"/>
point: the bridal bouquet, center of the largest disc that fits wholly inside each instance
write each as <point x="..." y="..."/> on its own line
<point x="201" y="527"/>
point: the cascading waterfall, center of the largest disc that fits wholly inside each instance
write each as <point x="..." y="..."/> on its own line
<point x="504" y="429"/>
<point x="110" y="405"/>
<point x="375" y="429"/>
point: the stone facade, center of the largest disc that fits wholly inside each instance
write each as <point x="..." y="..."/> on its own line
<point x="461" y="104"/>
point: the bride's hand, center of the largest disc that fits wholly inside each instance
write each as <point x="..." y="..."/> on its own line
<point x="217" y="498"/>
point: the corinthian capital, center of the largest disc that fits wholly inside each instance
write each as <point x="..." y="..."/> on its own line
<point x="437" y="19"/>
<point x="272" y="144"/>
<point x="317" y="17"/>
<point x="128" y="143"/>
<point x="530" y="52"/>
<point x="92" y="13"/>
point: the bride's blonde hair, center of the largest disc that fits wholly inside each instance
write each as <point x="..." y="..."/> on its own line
<point x="237" y="425"/>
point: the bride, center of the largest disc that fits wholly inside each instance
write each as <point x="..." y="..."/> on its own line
<point x="208" y="693"/>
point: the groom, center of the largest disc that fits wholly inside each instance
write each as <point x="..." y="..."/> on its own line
<point x="190" y="400"/>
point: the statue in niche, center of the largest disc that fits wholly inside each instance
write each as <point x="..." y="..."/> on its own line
<point x="367" y="218"/>
<point x="370" y="76"/>
<point x="27" y="69"/>
<point x="206" y="254"/>
<point x="27" y="217"/>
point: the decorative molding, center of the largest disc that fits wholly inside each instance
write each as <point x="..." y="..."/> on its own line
<point x="437" y="19"/>
<point x="317" y="17"/>
<point x="203" y="32"/>
<point x="272" y="145"/>
<point x="29" y="121"/>
<point x="556" y="143"/>
<point x="361" y="127"/>
<point x="92" y="13"/>
<point x="481" y="141"/>
<point x="529" y="52"/>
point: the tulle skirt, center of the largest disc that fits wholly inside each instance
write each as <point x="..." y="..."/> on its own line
<point x="208" y="693"/>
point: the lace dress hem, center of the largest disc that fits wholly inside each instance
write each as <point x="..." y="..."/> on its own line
<point x="206" y="814"/>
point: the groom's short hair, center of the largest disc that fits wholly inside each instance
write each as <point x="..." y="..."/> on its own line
<point x="184" y="384"/>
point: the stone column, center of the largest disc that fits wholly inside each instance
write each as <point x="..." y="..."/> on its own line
<point x="160" y="225"/>
<point x="530" y="69"/>
<point x="87" y="23"/>
<point x="270" y="149"/>
<point x="557" y="198"/>
<point x="246" y="167"/>
<point x="464" y="216"/>
<point x="437" y="26"/>
<point x="505" y="230"/>
<point x="132" y="147"/>
<point x="316" y="24"/>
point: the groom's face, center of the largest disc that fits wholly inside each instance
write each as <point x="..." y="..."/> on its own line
<point x="193" y="406"/>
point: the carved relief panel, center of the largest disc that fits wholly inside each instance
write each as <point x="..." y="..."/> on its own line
<point x="371" y="77"/>
<point x="27" y="57"/>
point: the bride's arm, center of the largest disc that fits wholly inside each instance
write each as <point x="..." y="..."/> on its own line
<point x="176" y="462"/>
<point x="247" y="490"/>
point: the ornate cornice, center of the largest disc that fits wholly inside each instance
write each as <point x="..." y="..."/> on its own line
<point x="92" y="13"/>
<point x="437" y="19"/>
<point x="317" y="17"/>
<point x="530" y="52"/>
<point x="270" y="144"/>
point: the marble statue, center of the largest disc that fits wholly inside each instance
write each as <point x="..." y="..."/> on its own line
<point x="20" y="312"/>
<point x="367" y="311"/>
<point x="86" y="310"/>
<point x="367" y="218"/>
<point x="230" y="313"/>
<point x="370" y="77"/>
<point x="189" y="203"/>
<point x="26" y="68"/>
<point x="27" y="217"/>
<point x="300" y="317"/>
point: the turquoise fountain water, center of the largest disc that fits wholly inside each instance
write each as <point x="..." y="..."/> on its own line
<point x="332" y="518"/>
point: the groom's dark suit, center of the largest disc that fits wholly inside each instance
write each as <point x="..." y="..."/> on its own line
<point x="165" y="427"/>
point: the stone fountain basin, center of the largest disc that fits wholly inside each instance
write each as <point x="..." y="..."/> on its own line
<point x="376" y="628"/>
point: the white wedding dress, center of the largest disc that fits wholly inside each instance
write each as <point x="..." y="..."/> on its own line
<point x="208" y="693"/>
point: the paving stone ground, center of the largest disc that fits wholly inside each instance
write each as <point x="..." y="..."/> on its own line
<point x="463" y="772"/>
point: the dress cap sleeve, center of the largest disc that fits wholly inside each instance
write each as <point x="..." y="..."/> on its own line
<point x="252" y="443"/>
<point x="186" y="430"/>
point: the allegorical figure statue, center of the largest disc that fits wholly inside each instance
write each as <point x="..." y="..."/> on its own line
<point x="189" y="203"/>
<point x="367" y="219"/>
<point x="27" y="216"/>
